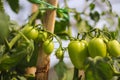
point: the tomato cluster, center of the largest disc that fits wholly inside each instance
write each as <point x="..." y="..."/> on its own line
<point x="79" y="50"/>
<point x="39" y="36"/>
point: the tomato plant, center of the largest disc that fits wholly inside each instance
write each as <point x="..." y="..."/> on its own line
<point x="94" y="50"/>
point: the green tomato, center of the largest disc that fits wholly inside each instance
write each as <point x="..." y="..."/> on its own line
<point x="78" y="52"/>
<point x="59" y="53"/>
<point x="97" y="47"/>
<point x="114" y="48"/>
<point x="42" y="36"/>
<point x="30" y="32"/>
<point x="48" y="47"/>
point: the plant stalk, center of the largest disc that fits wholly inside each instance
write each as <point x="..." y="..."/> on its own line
<point x="76" y="75"/>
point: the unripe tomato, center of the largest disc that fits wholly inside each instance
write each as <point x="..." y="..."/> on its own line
<point x="59" y="53"/>
<point x="42" y="36"/>
<point x="114" y="48"/>
<point x="48" y="47"/>
<point x="78" y="52"/>
<point x="30" y="32"/>
<point x="97" y="47"/>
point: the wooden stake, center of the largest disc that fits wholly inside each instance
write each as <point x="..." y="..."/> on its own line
<point x="34" y="8"/>
<point x="43" y="62"/>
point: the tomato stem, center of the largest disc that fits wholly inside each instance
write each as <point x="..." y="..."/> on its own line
<point x="33" y="17"/>
<point x="75" y="76"/>
<point x="14" y="40"/>
<point x="23" y="36"/>
<point x="107" y="34"/>
<point x="56" y="37"/>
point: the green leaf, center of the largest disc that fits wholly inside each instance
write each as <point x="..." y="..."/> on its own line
<point x="92" y="6"/>
<point x="83" y="26"/>
<point x="35" y="1"/>
<point x="63" y="14"/>
<point x="31" y="57"/>
<point x="21" y="78"/>
<point x="62" y="23"/>
<point x="60" y="28"/>
<point x="103" y="0"/>
<point x="99" y="69"/>
<point x="14" y="4"/>
<point x="9" y="61"/>
<point x="1" y="6"/>
<point x="119" y="22"/>
<point x="61" y="69"/>
<point x="2" y="50"/>
<point x="95" y="16"/>
<point x="77" y="17"/>
<point x="4" y="26"/>
<point x="22" y="51"/>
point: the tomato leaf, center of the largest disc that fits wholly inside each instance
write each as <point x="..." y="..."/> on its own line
<point x="21" y="78"/>
<point x="95" y="16"/>
<point x="2" y="50"/>
<point x="1" y="6"/>
<point x="77" y="17"/>
<point x="119" y="22"/>
<point x="63" y="14"/>
<point x="83" y="26"/>
<point x="60" y="26"/>
<point x="14" y="4"/>
<point x="60" y="29"/>
<point x="9" y="61"/>
<point x="101" y="68"/>
<point x="35" y="1"/>
<point x="22" y="51"/>
<point x="30" y="50"/>
<point x="92" y="6"/>
<point x="4" y="24"/>
<point x="61" y="69"/>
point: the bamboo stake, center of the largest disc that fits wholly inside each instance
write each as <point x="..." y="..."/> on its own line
<point x="34" y="8"/>
<point x="43" y="62"/>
